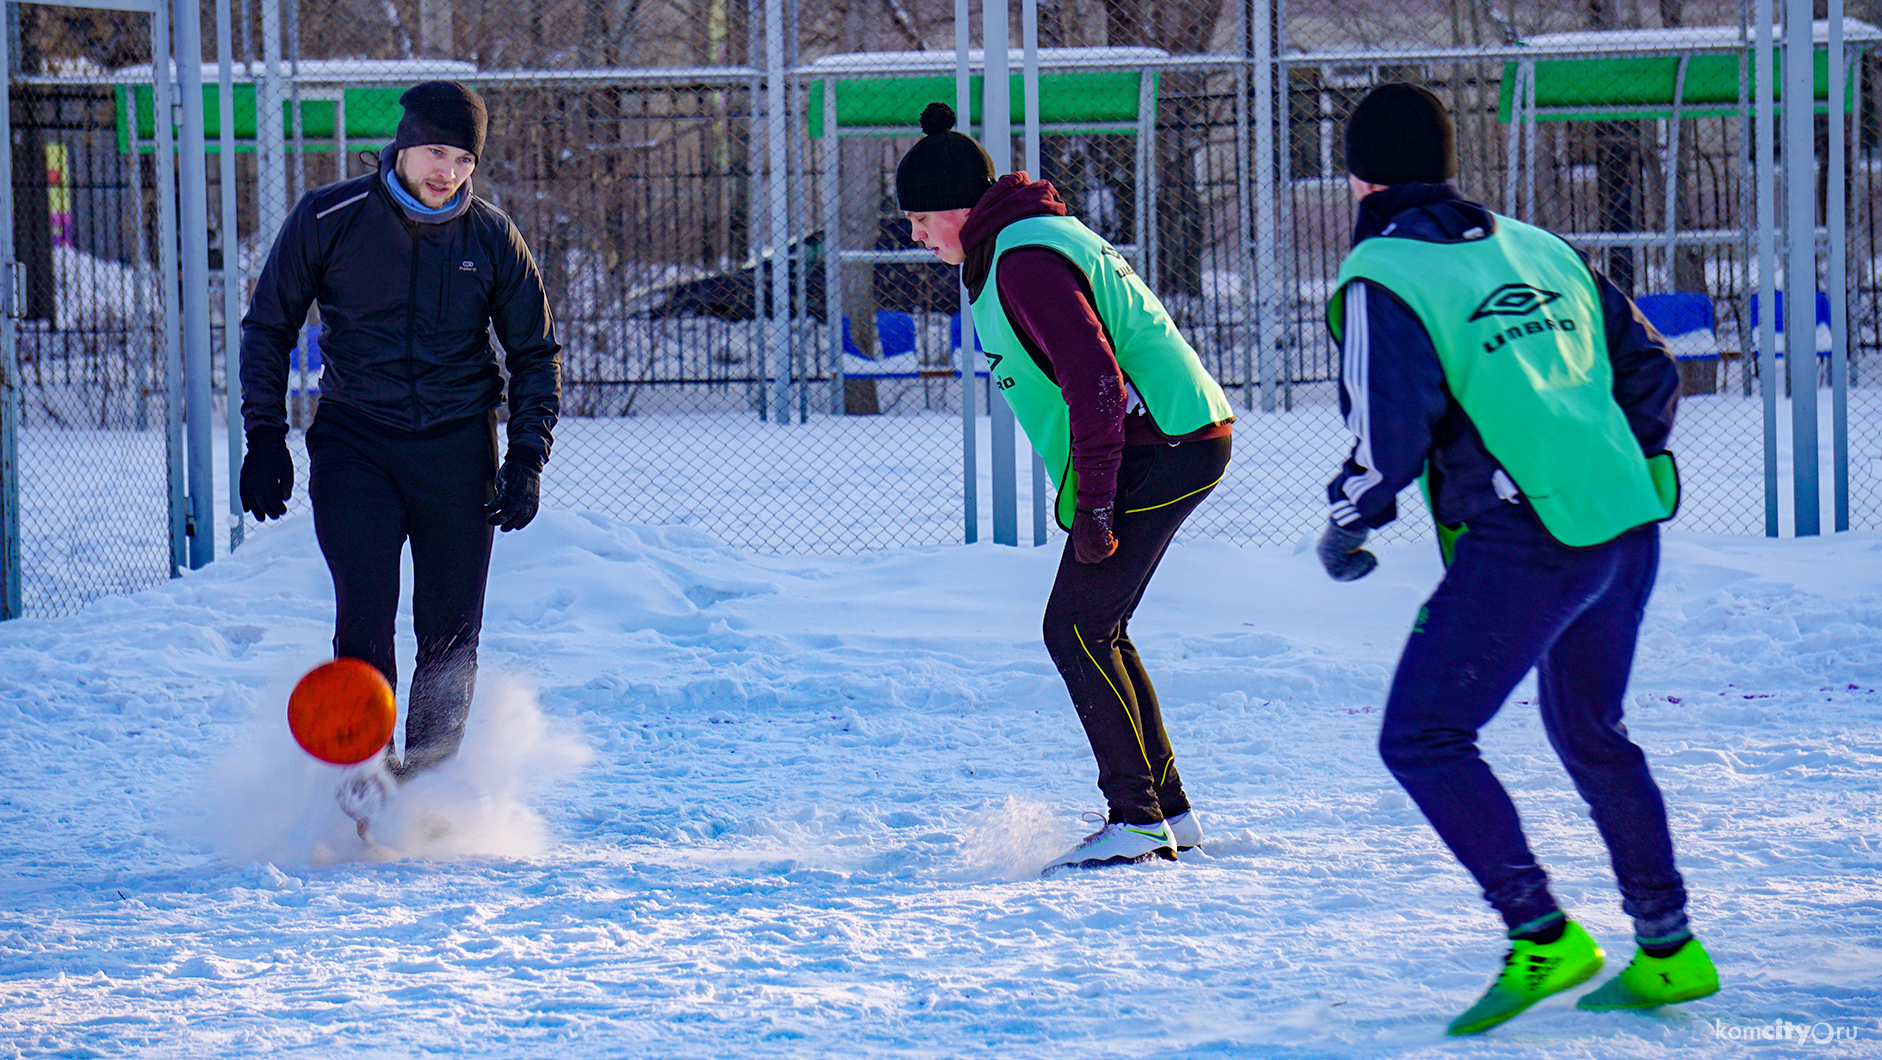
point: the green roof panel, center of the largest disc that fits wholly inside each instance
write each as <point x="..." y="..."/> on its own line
<point x="371" y="114"/>
<point x="1631" y="87"/>
<point x="882" y="105"/>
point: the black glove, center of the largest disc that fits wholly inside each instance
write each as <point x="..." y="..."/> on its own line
<point x="267" y="473"/>
<point x="519" y="493"/>
<point x="1341" y="555"/>
<point x="1092" y="539"/>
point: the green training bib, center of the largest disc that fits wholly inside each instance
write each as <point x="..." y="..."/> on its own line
<point x="1517" y="323"/>
<point x="1164" y="370"/>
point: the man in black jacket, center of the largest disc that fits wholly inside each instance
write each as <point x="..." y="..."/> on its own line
<point x="412" y="273"/>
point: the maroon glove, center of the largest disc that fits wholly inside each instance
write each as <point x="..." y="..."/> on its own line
<point x="1092" y="539"/>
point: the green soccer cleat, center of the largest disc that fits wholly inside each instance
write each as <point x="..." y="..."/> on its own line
<point x="1531" y="972"/>
<point x="1649" y="982"/>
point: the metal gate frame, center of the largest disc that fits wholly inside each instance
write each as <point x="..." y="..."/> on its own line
<point x="185" y="323"/>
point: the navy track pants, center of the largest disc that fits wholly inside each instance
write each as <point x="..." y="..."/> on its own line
<point x="1514" y="599"/>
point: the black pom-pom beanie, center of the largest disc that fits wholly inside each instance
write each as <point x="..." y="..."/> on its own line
<point x="1401" y="134"/>
<point x="945" y="170"/>
<point x="442" y="112"/>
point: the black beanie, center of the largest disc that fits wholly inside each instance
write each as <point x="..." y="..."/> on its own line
<point x="944" y="170"/>
<point x="442" y="112"/>
<point x="1401" y="134"/>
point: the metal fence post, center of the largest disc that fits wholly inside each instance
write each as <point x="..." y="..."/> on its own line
<point x="1764" y="164"/>
<point x="970" y="365"/>
<point x="164" y="71"/>
<point x="757" y="202"/>
<point x="1800" y="267"/>
<point x="193" y="207"/>
<point x="10" y="553"/>
<point x="833" y="308"/>
<point x="270" y="140"/>
<point x="1838" y="221"/>
<point x="777" y="191"/>
<point x="232" y="278"/>
<point x="1244" y="217"/>
<point x="1267" y="219"/>
<point x="1029" y="43"/>
<point x="996" y="120"/>
<point x="1149" y="232"/>
<point x="802" y="366"/>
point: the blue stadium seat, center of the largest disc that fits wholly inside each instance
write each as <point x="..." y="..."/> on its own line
<point x="1823" y="322"/>
<point x="895" y="331"/>
<point x="309" y="348"/>
<point x="1679" y="314"/>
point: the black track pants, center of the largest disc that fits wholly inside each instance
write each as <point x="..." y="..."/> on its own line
<point x="1087" y="618"/>
<point x="374" y="488"/>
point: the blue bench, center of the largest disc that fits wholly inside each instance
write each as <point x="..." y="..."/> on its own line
<point x="895" y="334"/>
<point x="1687" y="322"/>
<point x="1823" y="322"/>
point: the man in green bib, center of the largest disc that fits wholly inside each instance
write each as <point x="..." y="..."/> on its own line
<point x="1132" y="428"/>
<point x="1484" y="357"/>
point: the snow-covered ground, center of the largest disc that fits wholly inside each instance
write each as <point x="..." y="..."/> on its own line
<point x="723" y="805"/>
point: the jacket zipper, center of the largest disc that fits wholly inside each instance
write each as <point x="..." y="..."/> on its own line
<point x="411" y="324"/>
<point x="445" y="275"/>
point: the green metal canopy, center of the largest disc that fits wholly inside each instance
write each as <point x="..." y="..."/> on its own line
<point x="1613" y="87"/>
<point x="370" y="110"/>
<point x="875" y="97"/>
<point x="372" y="115"/>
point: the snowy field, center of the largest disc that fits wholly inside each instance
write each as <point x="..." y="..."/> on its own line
<point x="723" y="805"/>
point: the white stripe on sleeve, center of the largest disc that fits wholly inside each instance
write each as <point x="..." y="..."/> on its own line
<point x="1355" y="376"/>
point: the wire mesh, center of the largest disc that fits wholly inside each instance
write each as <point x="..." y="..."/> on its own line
<point x="1627" y="131"/>
<point x="707" y="188"/>
<point x="91" y="380"/>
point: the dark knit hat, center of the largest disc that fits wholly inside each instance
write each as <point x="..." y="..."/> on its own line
<point x="1401" y="134"/>
<point x="442" y="112"/>
<point x="944" y="170"/>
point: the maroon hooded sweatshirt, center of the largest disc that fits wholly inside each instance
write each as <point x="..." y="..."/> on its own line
<point x="1052" y="309"/>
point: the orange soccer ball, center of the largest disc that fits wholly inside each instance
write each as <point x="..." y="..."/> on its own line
<point x="342" y="711"/>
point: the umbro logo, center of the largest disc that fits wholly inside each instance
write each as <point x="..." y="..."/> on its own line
<point x="1514" y="300"/>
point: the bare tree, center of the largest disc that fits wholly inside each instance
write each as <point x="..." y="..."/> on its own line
<point x="861" y="208"/>
<point x="1618" y="161"/>
<point x="1181" y="27"/>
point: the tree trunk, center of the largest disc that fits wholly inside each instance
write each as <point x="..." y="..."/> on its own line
<point x="1179" y="202"/>
<point x="1617" y="168"/>
<point x="1181" y="27"/>
<point x="860" y="209"/>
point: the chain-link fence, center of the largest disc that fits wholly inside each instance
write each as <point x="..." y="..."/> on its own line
<point x="754" y="346"/>
<point x="89" y="374"/>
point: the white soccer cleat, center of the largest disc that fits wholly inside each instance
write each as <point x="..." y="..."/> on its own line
<point x="1118" y="844"/>
<point x="364" y="791"/>
<point x="1186" y="829"/>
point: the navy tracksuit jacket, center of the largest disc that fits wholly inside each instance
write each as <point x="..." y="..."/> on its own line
<point x="1512" y="599"/>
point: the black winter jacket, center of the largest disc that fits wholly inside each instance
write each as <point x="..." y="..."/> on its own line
<point x="406" y="308"/>
<point x="1395" y="399"/>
